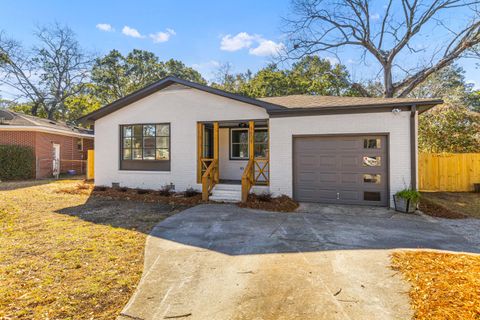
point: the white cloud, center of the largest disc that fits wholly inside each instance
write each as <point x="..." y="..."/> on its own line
<point x="105" y="27"/>
<point x="162" y="36"/>
<point x="375" y="17"/>
<point x="132" y="32"/>
<point x="333" y="61"/>
<point x="256" y="44"/>
<point x="267" y="48"/>
<point x="206" y="65"/>
<point x="237" y="42"/>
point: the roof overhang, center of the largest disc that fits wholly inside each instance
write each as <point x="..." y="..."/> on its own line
<point x="161" y="84"/>
<point x="420" y="105"/>
<point x="45" y="130"/>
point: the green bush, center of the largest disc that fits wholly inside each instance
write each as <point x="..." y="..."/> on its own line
<point x="409" y="194"/>
<point x="16" y="162"/>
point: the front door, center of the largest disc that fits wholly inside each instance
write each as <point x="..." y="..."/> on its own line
<point x="56" y="159"/>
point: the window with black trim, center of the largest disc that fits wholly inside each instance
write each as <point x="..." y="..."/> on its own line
<point x="239" y="143"/>
<point x="145" y="143"/>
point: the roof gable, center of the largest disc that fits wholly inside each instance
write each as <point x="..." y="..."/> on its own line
<point x="164" y="83"/>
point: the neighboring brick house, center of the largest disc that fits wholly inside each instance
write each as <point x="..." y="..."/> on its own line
<point x="56" y="144"/>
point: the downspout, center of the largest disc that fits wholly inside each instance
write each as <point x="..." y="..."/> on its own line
<point x="413" y="147"/>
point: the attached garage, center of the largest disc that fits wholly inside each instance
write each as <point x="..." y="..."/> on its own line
<point x="341" y="169"/>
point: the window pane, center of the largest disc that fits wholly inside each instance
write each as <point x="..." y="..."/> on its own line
<point x="371" y="178"/>
<point x="371" y="143"/>
<point x="137" y="154"/>
<point x="372" y="161"/>
<point x="163" y="130"/>
<point x="127" y="131"/>
<point x="127" y="154"/>
<point x="137" y="142"/>
<point x="138" y="130"/>
<point x="261" y="150"/>
<point x="127" y="142"/>
<point x="149" y="142"/>
<point x="261" y="136"/>
<point x="149" y="154"/>
<point x="163" y="154"/>
<point x="371" y="196"/>
<point x="149" y="130"/>
<point x="239" y="150"/>
<point x="239" y="136"/>
<point x="162" y="142"/>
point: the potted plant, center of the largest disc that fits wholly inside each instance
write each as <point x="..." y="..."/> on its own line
<point x="406" y="200"/>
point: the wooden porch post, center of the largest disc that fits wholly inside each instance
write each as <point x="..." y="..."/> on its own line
<point x="215" y="150"/>
<point x="200" y="127"/>
<point x="251" y="139"/>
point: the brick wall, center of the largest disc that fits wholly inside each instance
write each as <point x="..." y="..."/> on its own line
<point x="43" y="145"/>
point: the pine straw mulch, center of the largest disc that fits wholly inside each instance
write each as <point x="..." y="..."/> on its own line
<point x="433" y="209"/>
<point x="132" y="194"/>
<point x="260" y="202"/>
<point x="443" y="285"/>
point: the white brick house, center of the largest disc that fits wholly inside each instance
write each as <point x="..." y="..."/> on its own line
<point x="312" y="148"/>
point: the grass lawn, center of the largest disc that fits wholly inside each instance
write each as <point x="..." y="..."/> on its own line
<point x="443" y="285"/>
<point x="451" y="204"/>
<point x="69" y="256"/>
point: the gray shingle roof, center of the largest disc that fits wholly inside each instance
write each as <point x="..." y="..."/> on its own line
<point x="11" y="118"/>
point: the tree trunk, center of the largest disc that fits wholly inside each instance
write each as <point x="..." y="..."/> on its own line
<point x="387" y="81"/>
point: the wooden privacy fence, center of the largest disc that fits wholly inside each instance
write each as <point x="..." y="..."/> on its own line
<point x="90" y="164"/>
<point x="448" y="171"/>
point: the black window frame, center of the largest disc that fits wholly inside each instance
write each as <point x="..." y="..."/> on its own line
<point x="145" y="164"/>
<point x="230" y="143"/>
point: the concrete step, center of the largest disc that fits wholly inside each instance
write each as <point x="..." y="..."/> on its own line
<point x="227" y="193"/>
<point x="221" y="186"/>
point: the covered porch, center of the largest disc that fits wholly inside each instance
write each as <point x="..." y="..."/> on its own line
<point x="233" y="152"/>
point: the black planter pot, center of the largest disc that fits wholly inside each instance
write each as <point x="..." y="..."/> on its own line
<point x="404" y="205"/>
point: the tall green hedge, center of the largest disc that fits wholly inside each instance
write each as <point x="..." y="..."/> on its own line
<point x="16" y="162"/>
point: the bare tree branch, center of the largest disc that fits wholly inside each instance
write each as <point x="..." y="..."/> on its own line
<point x="324" y="25"/>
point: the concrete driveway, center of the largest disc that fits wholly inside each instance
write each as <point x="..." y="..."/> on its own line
<point x="324" y="262"/>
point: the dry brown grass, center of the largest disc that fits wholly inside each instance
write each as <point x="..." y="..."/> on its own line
<point x="443" y="285"/>
<point x="63" y="266"/>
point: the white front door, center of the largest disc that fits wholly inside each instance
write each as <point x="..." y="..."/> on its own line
<point x="56" y="159"/>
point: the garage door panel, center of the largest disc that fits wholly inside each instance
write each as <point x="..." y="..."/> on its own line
<point x="341" y="169"/>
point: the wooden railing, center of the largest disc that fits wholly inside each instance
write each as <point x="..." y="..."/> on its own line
<point x="209" y="179"/>
<point x="261" y="172"/>
<point x="248" y="179"/>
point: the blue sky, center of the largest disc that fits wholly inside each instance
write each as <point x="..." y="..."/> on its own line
<point x="202" y="34"/>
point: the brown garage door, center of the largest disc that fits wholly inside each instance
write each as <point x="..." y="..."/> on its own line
<point x="340" y="169"/>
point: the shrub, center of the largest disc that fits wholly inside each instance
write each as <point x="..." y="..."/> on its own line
<point x="16" y="162"/>
<point x="190" y="192"/>
<point x="166" y="190"/>
<point x="100" y="188"/>
<point x="123" y="189"/>
<point x="265" y="196"/>
<point x="409" y="194"/>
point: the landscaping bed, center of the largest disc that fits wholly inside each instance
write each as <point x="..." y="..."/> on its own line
<point x="269" y="203"/>
<point x="451" y="205"/>
<point x="443" y="285"/>
<point x="152" y="196"/>
<point x="69" y="255"/>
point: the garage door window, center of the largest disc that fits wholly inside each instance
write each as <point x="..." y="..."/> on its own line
<point x="371" y="196"/>
<point x="372" y="161"/>
<point x="372" y="178"/>
<point x="372" y="143"/>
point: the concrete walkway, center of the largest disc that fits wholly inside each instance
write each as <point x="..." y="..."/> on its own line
<point x="324" y="262"/>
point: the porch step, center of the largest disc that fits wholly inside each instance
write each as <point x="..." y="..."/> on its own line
<point x="226" y="193"/>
